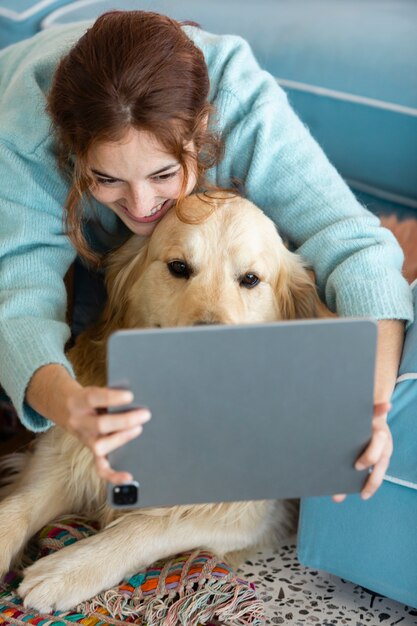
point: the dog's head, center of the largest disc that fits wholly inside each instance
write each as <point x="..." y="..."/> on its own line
<point x="228" y="267"/>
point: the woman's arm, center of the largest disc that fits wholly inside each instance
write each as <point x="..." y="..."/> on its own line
<point x="34" y="257"/>
<point x="390" y="346"/>
<point x="35" y="253"/>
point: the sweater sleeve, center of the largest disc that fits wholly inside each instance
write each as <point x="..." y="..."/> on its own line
<point x="34" y="257"/>
<point x="284" y="171"/>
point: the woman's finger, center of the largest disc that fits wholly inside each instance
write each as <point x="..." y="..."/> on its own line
<point x="380" y="443"/>
<point x="106" y="472"/>
<point x="114" y="422"/>
<point x="104" y="445"/>
<point x="339" y="497"/>
<point x="104" y="397"/>
<point x="376" y="477"/>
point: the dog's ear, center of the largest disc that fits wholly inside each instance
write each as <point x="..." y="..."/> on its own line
<point x="296" y="291"/>
<point x="123" y="268"/>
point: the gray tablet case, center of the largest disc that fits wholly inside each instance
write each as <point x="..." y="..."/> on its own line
<point x="245" y="412"/>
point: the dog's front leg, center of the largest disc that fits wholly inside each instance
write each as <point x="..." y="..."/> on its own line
<point x="22" y="513"/>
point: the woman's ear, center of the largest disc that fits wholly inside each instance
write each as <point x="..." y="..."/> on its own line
<point x="295" y="291"/>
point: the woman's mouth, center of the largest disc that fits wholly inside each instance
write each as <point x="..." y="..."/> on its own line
<point x="156" y="213"/>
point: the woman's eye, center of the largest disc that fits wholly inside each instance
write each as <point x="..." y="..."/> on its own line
<point x="179" y="269"/>
<point x="105" y="181"/>
<point x="162" y="177"/>
<point x="249" y="281"/>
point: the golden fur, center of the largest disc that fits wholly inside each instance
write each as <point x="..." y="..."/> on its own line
<point x="233" y="238"/>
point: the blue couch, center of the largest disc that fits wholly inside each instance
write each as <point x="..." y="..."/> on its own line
<point x="350" y="69"/>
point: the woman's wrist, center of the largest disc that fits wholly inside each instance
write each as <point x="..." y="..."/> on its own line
<point x="389" y="350"/>
<point x="48" y="391"/>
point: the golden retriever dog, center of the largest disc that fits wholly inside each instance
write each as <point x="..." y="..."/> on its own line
<point x="227" y="267"/>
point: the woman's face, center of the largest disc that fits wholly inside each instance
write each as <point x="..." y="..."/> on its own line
<point x="137" y="179"/>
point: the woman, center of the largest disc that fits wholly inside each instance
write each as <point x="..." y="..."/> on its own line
<point x="140" y="108"/>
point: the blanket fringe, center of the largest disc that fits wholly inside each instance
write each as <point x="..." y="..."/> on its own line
<point x="230" y="604"/>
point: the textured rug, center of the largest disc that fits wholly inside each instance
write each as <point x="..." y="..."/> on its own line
<point x="298" y="596"/>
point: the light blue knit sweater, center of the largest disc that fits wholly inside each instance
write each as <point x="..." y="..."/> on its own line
<point x="357" y="263"/>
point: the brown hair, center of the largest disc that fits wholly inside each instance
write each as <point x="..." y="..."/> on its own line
<point x="130" y="69"/>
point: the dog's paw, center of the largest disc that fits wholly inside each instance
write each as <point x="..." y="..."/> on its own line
<point x="40" y="594"/>
<point x="53" y="584"/>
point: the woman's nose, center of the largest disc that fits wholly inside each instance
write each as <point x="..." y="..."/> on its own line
<point x="141" y="200"/>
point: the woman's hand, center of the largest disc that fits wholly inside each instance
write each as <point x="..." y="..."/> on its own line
<point x="100" y="431"/>
<point x="377" y="455"/>
<point x="82" y="411"/>
<point x="379" y="450"/>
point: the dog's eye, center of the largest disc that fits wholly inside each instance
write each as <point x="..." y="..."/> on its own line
<point x="179" y="269"/>
<point x="249" y="281"/>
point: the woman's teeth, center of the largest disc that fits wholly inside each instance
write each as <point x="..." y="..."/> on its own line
<point x="155" y="210"/>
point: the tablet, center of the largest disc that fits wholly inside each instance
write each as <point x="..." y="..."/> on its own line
<point x="249" y="412"/>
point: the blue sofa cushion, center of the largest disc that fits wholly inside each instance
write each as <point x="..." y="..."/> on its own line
<point x="20" y="19"/>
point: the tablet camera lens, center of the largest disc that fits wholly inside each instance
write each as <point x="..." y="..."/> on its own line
<point x="125" y="495"/>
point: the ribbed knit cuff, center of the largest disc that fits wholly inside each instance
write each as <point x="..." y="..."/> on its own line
<point x="387" y="299"/>
<point x="25" y="346"/>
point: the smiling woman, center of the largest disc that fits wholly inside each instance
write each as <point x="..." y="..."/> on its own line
<point x="137" y="179"/>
